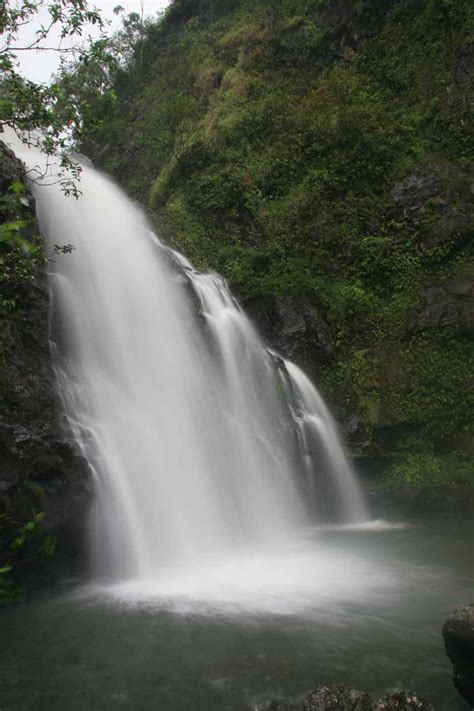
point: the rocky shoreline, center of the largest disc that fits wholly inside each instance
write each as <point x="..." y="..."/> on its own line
<point x="340" y="697"/>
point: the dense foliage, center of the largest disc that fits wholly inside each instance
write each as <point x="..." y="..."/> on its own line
<point x="320" y="150"/>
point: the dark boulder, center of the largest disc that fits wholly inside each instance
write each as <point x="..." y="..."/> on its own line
<point x="294" y="327"/>
<point x="411" y="194"/>
<point x="448" y="308"/>
<point x="435" y="206"/>
<point x="10" y="168"/>
<point x="458" y="633"/>
<point x="345" y="698"/>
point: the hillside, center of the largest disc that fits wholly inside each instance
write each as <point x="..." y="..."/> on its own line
<point x="318" y="154"/>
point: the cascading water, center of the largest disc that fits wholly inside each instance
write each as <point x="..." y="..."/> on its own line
<point x="322" y="450"/>
<point x="309" y="436"/>
<point x="203" y="443"/>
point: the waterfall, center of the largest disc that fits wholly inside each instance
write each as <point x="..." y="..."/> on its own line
<point x="201" y="441"/>
<point x="322" y="449"/>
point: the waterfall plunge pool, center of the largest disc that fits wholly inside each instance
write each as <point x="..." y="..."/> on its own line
<point x="360" y="605"/>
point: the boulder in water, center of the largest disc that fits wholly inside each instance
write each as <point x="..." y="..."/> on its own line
<point x="458" y="633"/>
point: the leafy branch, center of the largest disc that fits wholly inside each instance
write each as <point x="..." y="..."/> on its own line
<point x="42" y="115"/>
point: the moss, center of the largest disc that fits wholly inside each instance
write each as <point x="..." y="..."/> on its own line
<point x="438" y="395"/>
<point x="423" y="471"/>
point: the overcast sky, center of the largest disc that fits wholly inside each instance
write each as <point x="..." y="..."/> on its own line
<point x="39" y="66"/>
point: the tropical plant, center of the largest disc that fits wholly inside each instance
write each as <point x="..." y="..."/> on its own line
<point x="17" y="545"/>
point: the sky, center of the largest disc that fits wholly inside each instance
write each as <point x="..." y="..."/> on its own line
<point x="40" y="66"/>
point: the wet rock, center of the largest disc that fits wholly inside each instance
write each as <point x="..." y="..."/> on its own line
<point x="411" y="194"/>
<point x="345" y="698"/>
<point x="435" y="204"/>
<point x="332" y="698"/>
<point x="293" y="327"/>
<point x="10" y="168"/>
<point x="40" y="468"/>
<point x="448" y="308"/>
<point x="402" y="701"/>
<point x="451" y="226"/>
<point x="458" y="633"/>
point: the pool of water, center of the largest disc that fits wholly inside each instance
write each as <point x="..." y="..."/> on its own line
<point x="360" y="605"/>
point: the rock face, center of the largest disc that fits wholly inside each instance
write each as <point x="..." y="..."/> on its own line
<point x="40" y="469"/>
<point x="458" y="633"/>
<point x="294" y="327"/>
<point x="448" y="309"/>
<point x="346" y="698"/>
<point x="438" y="205"/>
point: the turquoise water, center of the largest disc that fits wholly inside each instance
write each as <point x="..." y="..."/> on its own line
<point x="376" y="625"/>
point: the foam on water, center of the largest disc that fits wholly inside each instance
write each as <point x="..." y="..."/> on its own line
<point x="300" y="580"/>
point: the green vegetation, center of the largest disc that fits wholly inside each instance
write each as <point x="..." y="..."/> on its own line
<point x="41" y="115"/>
<point x="19" y="255"/>
<point x="422" y="471"/>
<point x="322" y="150"/>
<point x="20" y="545"/>
<point x="47" y="115"/>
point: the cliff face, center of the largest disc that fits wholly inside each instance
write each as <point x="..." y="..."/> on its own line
<point x="40" y="470"/>
<point x="318" y="153"/>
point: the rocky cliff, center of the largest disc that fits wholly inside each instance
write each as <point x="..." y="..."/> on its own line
<point x="40" y="470"/>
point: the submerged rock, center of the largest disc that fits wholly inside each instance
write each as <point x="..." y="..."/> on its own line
<point x="458" y="633"/>
<point x="345" y="698"/>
